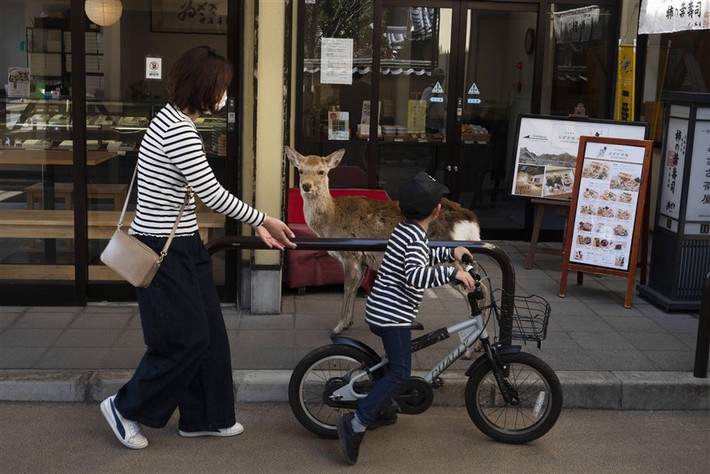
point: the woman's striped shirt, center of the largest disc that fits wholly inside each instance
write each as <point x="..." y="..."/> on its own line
<point x="172" y="157"/>
<point x="407" y="269"/>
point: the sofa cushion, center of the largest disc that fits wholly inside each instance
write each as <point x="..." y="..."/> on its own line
<point x="315" y="267"/>
<point x="295" y="201"/>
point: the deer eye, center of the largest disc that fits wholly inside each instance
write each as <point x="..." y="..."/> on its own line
<point x="321" y="172"/>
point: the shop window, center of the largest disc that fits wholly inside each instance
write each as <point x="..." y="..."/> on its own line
<point x="688" y="68"/>
<point x="582" y="65"/>
<point x="336" y="94"/>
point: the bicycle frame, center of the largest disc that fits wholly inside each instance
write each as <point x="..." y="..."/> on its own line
<point x="469" y="331"/>
<point x="484" y="248"/>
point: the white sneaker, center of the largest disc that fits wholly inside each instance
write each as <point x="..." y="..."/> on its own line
<point x="128" y="432"/>
<point x="231" y="431"/>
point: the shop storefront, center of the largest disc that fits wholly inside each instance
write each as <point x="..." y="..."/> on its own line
<point x="434" y="85"/>
<point x="450" y="80"/>
<point x="84" y="81"/>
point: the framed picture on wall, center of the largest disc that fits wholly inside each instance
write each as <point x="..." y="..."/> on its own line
<point x="188" y="16"/>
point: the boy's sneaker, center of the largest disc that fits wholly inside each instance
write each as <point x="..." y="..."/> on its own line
<point x="349" y="440"/>
<point x="128" y="432"/>
<point x="233" y="430"/>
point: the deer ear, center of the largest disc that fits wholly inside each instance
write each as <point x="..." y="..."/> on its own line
<point x="334" y="159"/>
<point x="292" y="156"/>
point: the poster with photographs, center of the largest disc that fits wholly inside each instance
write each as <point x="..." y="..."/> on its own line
<point x="605" y="228"/>
<point x="18" y="82"/>
<point x="338" y="125"/>
<point x="546" y="152"/>
<point x="606" y="206"/>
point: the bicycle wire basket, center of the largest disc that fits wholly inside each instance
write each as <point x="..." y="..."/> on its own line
<point x="530" y="316"/>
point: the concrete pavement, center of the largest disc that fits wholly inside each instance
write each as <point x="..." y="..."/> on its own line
<point x="607" y="356"/>
<point x="74" y="438"/>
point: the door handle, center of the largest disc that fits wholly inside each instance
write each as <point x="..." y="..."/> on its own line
<point x="231" y="114"/>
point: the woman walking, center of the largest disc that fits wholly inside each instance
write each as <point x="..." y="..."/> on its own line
<point x="187" y="364"/>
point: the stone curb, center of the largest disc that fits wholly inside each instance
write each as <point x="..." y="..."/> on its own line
<point x="616" y="390"/>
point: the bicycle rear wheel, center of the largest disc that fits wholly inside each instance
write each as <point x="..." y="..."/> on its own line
<point x="315" y="378"/>
<point x="538" y="406"/>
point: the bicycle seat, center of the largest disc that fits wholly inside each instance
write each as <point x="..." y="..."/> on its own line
<point x="414" y="326"/>
<point x="417" y="326"/>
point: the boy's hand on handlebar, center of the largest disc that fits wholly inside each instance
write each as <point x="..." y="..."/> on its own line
<point x="465" y="279"/>
<point x="461" y="252"/>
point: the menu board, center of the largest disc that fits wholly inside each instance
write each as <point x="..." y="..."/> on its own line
<point x="608" y="200"/>
<point x="546" y="152"/>
<point x="605" y="211"/>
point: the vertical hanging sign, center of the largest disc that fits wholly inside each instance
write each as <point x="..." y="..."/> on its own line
<point x="625" y="83"/>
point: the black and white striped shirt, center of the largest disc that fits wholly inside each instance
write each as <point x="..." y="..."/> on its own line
<point x="407" y="269"/>
<point x="172" y="157"/>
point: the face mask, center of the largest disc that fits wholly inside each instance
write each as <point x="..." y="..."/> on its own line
<point x="222" y="102"/>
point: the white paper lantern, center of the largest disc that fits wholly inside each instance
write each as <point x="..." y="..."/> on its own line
<point x="103" y="12"/>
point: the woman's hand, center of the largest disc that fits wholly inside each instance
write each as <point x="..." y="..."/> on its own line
<point x="275" y="234"/>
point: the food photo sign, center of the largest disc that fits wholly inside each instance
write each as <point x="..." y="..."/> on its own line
<point x="608" y="200"/>
<point x="546" y="152"/>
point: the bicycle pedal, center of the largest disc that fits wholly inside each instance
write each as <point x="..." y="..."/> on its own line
<point x="437" y="383"/>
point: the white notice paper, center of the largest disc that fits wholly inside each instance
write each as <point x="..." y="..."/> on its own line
<point x="336" y="61"/>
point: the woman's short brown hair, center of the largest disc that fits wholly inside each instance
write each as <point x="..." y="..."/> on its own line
<point x="198" y="79"/>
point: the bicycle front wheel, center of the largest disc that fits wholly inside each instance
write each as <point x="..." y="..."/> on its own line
<point x="315" y="378"/>
<point x="536" y="409"/>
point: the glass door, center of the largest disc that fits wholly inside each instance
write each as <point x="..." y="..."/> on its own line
<point x="495" y="72"/>
<point x="415" y="76"/>
<point x="452" y="82"/>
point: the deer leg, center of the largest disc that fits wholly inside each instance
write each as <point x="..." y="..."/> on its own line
<point x="354" y="273"/>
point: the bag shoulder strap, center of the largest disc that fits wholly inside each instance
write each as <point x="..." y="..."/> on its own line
<point x="188" y="195"/>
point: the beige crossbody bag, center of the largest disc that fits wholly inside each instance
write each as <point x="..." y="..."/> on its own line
<point x="134" y="261"/>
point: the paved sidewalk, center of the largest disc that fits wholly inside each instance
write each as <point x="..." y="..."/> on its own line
<point x="607" y="356"/>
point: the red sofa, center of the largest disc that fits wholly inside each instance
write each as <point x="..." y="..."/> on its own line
<point x="315" y="267"/>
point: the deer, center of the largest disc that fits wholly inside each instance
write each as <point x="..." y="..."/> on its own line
<point x="363" y="218"/>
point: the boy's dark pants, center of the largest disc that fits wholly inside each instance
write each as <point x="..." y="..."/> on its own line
<point x="397" y="344"/>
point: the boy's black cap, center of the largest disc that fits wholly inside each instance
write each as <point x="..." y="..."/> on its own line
<point x="420" y="195"/>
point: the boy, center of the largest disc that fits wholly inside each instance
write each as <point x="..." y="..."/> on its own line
<point x="408" y="268"/>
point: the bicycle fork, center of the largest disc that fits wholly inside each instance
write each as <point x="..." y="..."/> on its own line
<point x="510" y="395"/>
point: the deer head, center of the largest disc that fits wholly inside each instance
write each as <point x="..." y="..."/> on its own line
<point x="313" y="171"/>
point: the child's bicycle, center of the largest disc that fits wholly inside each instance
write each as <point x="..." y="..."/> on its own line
<point x="512" y="396"/>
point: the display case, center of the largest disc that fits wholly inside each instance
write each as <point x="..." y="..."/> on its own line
<point x="111" y="125"/>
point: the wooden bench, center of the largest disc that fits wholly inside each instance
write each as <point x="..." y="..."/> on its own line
<point x="65" y="191"/>
<point x="59" y="224"/>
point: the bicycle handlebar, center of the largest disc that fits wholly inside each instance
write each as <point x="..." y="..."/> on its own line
<point x="373" y="245"/>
